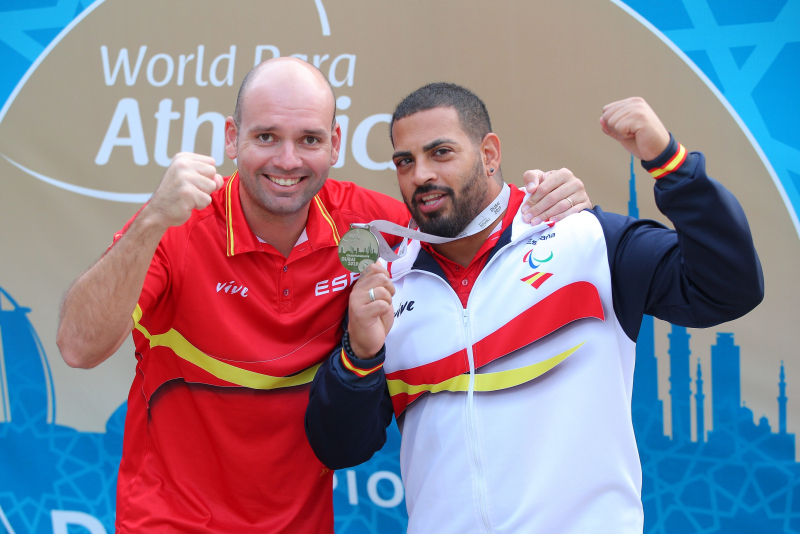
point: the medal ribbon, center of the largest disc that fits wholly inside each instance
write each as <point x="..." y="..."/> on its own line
<point x="484" y="219"/>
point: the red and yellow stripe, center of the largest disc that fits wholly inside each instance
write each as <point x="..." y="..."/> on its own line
<point x="222" y="370"/>
<point x="328" y="218"/>
<point x="674" y="162"/>
<point x="229" y="214"/>
<point x="360" y="372"/>
<point x="536" y="279"/>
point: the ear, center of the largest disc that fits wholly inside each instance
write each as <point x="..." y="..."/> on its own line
<point x="336" y="143"/>
<point x="231" y="135"/>
<point x="490" y="153"/>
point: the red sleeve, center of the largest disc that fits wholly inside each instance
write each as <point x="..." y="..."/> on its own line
<point x="157" y="279"/>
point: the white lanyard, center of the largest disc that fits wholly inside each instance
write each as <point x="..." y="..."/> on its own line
<point x="484" y="218"/>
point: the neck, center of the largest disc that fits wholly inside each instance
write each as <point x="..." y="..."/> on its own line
<point x="463" y="250"/>
<point x="279" y="230"/>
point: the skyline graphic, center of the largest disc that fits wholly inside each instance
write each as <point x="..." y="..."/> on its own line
<point x="737" y="478"/>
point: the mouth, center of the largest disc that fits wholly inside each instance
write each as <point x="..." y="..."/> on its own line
<point x="431" y="201"/>
<point x="284" y="181"/>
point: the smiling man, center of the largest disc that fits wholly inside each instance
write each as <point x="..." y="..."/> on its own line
<point x="234" y="291"/>
<point x="509" y="350"/>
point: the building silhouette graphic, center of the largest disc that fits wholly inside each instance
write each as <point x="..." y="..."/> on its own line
<point x="45" y="466"/>
<point x="738" y="477"/>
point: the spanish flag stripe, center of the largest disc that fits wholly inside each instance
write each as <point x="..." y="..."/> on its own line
<point x="229" y="213"/>
<point x="483" y="382"/>
<point x="327" y="217"/>
<point x="360" y="372"/>
<point x="174" y="341"/>
<point x="533" y="278"/>
<point x="674" y="162"/>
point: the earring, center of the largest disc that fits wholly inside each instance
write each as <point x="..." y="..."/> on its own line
<point x="491" y="170"/>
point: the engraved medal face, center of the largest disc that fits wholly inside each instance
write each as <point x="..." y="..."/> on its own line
<point x="357" y="249"/>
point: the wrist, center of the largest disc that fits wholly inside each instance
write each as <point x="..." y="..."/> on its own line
<point x="150" y="221"/>
<point x="354" y="349"/>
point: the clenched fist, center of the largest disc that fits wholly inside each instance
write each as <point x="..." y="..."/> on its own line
<point x="187" y="185"/>
<point x="635" y="125"/>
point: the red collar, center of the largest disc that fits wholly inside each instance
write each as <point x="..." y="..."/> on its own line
<point x="320" y="226"/>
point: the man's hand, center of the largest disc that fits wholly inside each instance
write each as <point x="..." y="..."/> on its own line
<point x="554" y="195"/>
<point x="637" y="128"/>
<point x="370" y="320"/>
<point x="187" y="185"/>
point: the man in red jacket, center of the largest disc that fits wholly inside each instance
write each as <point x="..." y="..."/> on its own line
<point x="235" y="294"/>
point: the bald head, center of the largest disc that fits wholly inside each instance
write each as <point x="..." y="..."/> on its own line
<point x="287" y="73"/>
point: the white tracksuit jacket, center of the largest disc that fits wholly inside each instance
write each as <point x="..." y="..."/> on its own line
<point x="515" y="411"/>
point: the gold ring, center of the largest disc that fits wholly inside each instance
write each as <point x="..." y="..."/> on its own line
<point x="571" y="205"/>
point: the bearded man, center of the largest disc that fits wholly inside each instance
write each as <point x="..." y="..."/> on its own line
<point x="509" y="348"/>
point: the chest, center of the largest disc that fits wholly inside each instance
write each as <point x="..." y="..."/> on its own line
<point x="261" y="307"/>
<point x="528" y="291"/>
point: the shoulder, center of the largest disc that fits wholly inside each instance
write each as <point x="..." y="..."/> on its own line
<point x="352" y="200"/>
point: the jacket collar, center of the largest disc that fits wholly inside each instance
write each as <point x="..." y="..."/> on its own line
<point x="321" y="228"/>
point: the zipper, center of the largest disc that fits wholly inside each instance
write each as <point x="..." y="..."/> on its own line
<point x="472" y="430"/>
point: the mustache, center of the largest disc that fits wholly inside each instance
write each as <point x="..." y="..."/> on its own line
<point x="421" y="190"/>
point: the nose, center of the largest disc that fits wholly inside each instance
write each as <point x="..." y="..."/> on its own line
<point x="423" y="172"/>
<point x="287" y="157"/>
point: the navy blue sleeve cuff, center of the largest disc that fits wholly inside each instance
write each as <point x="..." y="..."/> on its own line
<point x="357" y="372"/>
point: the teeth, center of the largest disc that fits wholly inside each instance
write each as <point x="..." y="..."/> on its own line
<point x="431" y="199"/>
<point x="284" y="181"/>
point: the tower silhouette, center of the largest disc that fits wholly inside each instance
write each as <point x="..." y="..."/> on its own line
<point x="725" y="384"/>
<point x="680" y="390"/>
<point x="782" y="403"/>
<point x="700" y="405"/>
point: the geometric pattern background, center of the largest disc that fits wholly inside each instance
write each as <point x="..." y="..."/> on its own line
<point x="750" y="51"/>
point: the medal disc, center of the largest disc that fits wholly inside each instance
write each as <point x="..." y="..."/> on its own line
<point x="357" y="249"/>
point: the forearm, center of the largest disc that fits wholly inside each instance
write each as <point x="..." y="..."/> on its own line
<point x="718" y="259"/>
<point x="96" y="311"/>
<point x="705" y="273"/>
<point x="347" y="414"/>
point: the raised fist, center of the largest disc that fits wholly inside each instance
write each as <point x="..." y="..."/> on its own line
<point x="635" y="125"/>
<point x="187" y="185"/>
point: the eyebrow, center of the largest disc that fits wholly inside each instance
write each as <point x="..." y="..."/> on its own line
<point x="430" y="146"/>
<point x="320" y="132"/>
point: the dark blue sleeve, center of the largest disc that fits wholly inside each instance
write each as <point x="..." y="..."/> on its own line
<point x="703" y="273"/>
<point x="347" y="414"/>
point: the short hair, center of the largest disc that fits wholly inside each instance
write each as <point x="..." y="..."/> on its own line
<point x="470" y="108"/>
<point x="248" y="80"/>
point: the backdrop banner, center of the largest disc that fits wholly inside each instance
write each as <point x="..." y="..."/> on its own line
<point x="88" y="131"/>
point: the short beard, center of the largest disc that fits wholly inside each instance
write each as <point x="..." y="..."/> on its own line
<point x="465" y="206"/>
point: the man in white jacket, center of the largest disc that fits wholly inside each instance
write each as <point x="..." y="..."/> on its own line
<point x="509" y="349"/>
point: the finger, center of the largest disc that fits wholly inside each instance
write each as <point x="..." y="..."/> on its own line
<point x="381" y="293"/>
<point x="575" y="199"/>
<point x="203" y="183"/>
<point x="200" y="199"/>
<point x="548" y="183"/>
<point x="191" y="156"/>
<point x="546" y="195"/>
<point x="373" y="269"/>
<point x="549" y="205"/>
<point x="532" y="179"/>
<point x="381" y="281"/>
<point x="219" y="181"/>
